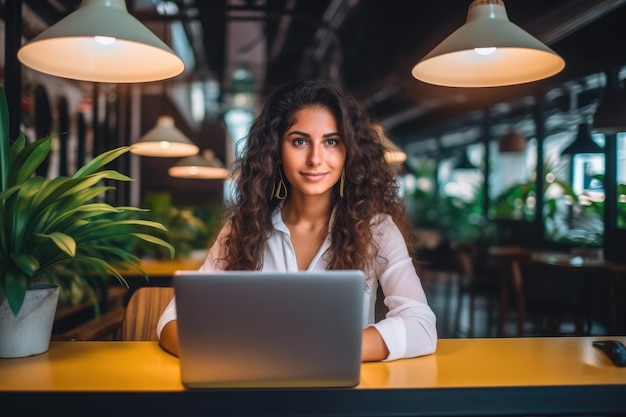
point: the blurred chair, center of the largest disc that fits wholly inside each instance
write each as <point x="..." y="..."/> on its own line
<point x="476" y="285"/>
<point x="144" y="308"/>
<point x="540" y="297"/>
<point x="106" y="326"/>
<point x="552" y="300"/>
<point x="506" y="261"/>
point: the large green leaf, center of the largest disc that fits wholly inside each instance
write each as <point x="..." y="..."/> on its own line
<point x="28" y="264"/>
<point x="62" y="187"/>
<point x="100" y="161"/>
<point x="8" y="192"/>
<point x="114" y="227"/>
<point x="15" y="289"/>
<point x="17" y="147"/>
<point x="157" y="241"/>
<point x="64" y="242"/>
<point x="52" y="208"/>
<point x="91" y="261"/>
<point x="29" y="160"/>
<point x="86" y="211"/>
<point x="114" y="253"/>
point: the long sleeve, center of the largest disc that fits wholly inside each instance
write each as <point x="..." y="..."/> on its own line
<point x="409" y="328"/>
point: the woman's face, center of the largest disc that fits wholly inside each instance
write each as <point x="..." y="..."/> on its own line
<point x="313" y="153"/>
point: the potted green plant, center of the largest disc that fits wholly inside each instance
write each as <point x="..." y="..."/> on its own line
<point x="46" y="223"/>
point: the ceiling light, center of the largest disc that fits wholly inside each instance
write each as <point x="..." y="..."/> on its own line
<point x="488" y="51"/>
<point x="393" y="154"/>
<point x="164" y="140"/>
<point x="206" y="166"/>
<point x="101" y="42"/>
<point x="512" y="142"/>
<point x="583" y="142"/>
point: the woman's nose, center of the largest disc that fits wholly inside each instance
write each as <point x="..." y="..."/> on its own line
<point x="315" y="155"/>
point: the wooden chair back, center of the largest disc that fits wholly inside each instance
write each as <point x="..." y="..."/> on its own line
<point x="143" y="311"/>
<point x="507" y="262"/>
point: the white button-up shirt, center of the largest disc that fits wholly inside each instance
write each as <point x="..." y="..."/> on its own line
<point x="408" y="329"/>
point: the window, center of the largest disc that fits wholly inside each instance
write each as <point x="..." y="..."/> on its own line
<point x="512" y="183"/>
<point x="460" y="196"/>
<point x="573" y="192"/>
<point x="621" y="180"/>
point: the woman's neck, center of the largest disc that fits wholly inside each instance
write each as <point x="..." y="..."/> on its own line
<point x="312" y="212"/>
<point x="307" y="222"/>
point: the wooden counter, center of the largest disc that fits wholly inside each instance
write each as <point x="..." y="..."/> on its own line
<point x="464" y="377"/>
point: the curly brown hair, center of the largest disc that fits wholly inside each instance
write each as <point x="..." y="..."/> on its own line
<point x="370" y="187"/>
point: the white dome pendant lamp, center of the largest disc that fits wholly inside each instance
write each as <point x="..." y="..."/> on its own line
<point x="101" y="42"/>
<point x="205" y="166"/>
<point x="164" y="140"/>
<point x="488" y="51"/>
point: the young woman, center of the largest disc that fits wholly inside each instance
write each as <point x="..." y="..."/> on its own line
<point x="313" y="192"/>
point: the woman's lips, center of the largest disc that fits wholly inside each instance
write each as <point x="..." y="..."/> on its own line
<point x="314" y="176"/>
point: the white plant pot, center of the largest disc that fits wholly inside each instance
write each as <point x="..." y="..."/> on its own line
<point x="29" y="332"/>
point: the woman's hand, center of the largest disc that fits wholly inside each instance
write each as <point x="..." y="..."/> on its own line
<point x="169" y="337"/>
<point x="373" y="346"/>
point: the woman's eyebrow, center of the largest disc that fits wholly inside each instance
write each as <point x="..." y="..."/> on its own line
<point x="298" y="133"/>
<point x="326" y="135"/>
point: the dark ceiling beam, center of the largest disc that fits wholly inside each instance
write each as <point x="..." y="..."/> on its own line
<point x="565" y="20"/>
<point x="284" y="24"/>
<point x="49" y="13"/>
<point x="194" y="31"/>
<point x="250" y="12"/>
<point x="325" y="40"/>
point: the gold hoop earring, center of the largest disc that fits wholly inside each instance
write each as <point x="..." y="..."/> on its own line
<point x="281" y="189"/>
<point x="342" y="182"/>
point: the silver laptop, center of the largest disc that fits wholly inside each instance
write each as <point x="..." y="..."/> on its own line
<point x="269" y="330"/>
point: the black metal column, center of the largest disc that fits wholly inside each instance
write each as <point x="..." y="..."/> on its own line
<point x="12" y="67"/>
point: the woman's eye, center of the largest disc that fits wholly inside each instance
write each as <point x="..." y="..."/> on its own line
<point x="299" y="142"/>
<point x="332" y="142"/>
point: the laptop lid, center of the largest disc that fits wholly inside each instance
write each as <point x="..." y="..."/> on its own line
<point x="253" y="329"/>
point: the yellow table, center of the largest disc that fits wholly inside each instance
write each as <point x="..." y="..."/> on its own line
<point x="163" y="267"/>
<point x="160" y="272"/>
<point x="465" y="376"/>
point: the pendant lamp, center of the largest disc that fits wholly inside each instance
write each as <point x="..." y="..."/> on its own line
<point x="393" y="154"/>
<point x="205" y="166"/>
<point x="164" y="140"/>
<point x="488" y="51"/>
<point x="101" y="42"/>
<point x="512" y="142"/>
<point x="583" y="142"/>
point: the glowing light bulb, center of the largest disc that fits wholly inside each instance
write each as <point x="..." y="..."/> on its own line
<point x="104" y="40"/>
<point x="485" y="51"/>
